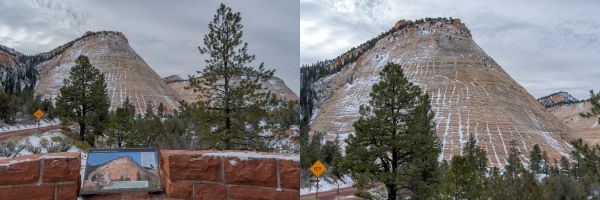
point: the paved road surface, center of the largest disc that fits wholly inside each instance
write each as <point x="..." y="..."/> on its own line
<point x="330" y="195"/>
<point x="27" y="132"/>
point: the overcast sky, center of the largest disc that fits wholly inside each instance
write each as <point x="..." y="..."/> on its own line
<point x="546" y="46"/>
<point x="165" y="33"/>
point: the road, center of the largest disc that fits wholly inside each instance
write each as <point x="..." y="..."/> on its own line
<point x="27" y="132"/>
<point x="330" y="195"/>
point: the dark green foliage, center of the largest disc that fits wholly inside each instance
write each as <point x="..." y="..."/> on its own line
<point x="121" y="127"/>
<point x="161" y="110"/>
<point x="8" y="107"/>
<point x="283" y="114"/>
<point x="23" y="105"/>
<point x="83" y="100"/>
<point x="231" y="88"/>
<point x="395" y="141"/>
<point x="465" y="177"/>
<point x="476" y="156"/>
<point x="560" y="187"/>
<point x="535" y="159"/>
<point x="310" y="150"/>
<point x="514" y="162"/>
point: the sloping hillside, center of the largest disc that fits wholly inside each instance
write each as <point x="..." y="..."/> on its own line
<point x="470" y="93"/>
<point x="126" y="73"/>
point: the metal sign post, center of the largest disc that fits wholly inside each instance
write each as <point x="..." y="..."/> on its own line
<point x="38" y="115"/>
<point x="317" y="169"/>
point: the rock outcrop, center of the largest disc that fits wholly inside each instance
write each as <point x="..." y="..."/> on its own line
<point x="15" y="75"/>
<point x="274" y="85"/>
<point x="470" y="93"/>
<point x="557" y="98"/>
<point x="126" y="73"/>
<point x="568" y="109"/>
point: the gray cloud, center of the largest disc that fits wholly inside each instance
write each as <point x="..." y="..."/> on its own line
<point x="546" y="46"/>
<point x="165" y="34"/>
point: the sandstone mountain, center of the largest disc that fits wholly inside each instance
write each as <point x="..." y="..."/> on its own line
<point x="126" y="73"/>
<point x="275" y="85"/>
<point x="470" y="93"/>
<point x="567" y="110"/>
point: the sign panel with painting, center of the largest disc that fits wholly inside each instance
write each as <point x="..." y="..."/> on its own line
<point x="121" y="170"/>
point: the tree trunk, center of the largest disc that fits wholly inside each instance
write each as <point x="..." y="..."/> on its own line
<point x="391" y="190"/>
<point x="82" y="132"/>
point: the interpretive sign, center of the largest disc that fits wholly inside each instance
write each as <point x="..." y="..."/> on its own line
<point x="121" y="170"/>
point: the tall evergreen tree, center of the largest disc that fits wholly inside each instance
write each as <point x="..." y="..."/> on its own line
<point x="535" y="159"/>
<point x="395" y="141"/>
<point x="545" y="163"/>
<point x="149" y="111"/>
<point x="475" y="155"/>
<point x="514" y="165"/>
<point x="83" y="99"/>
<point x="465" y="178"/>
<point x="122" y="125"/>
<point x="230" y="88"/>
<point x="161" y="110"/>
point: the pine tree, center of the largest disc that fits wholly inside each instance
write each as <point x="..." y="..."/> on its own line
<point x="8" y="107"/>
<point x="149" y="111"/>
<point x="465" y="178"/>
<point x="535" y="159"/>
<point x="83" y="99"/>
<point x="514" y="163"/>
<point x="161" y="110"/>
<point x="565" y="165"/>
<point x="476" y="155"/>
<point x="545" y="163"/>
<point x="395" y="141"/>
<point x="121" y="128"/>
<point x="229" y="87"/>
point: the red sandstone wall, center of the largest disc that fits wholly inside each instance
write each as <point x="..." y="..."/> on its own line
<point x="214" y="175"/>
<point x="45" y="176"/>
<point x="230" y="175"/>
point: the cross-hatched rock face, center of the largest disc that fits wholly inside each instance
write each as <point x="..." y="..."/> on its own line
<point x="126" y="73"/>
<point x="470" y="93"/>
<point x="275" y="86"/>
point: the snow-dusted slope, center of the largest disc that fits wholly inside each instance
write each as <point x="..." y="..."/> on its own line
<point x="585" y="128"/>
<point x="470" y="93"/>
<point x="126" y="73"/>
<point x="14" y="74"/>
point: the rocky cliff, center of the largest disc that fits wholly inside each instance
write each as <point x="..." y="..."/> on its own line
<point x="15" y="75"/>
<point x="126" y="73"/>
<point x="470" y="93"/>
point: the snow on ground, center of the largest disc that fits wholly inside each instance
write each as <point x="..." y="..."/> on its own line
<point x="326" y="184"/>
<point x="35" y="141"/>
<point x="43" y="123"/>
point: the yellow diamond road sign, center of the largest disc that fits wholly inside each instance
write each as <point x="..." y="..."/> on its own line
<point x="38" y="114"/>
<point x="318" y="168"/>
